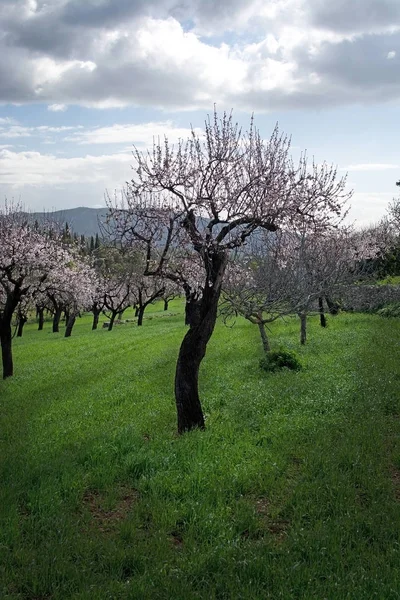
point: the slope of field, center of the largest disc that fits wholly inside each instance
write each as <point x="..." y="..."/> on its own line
<point x="291" y="492"/>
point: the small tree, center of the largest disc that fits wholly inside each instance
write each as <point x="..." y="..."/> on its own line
<point x="257" y="284"/>
<point x="171" y="291"/>
<point x="145" y="291"/>
<point x="115" y="276"/>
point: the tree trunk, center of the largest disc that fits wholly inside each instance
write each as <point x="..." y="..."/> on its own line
<point x="56" y="320"/>
<point x="140" y="315"/>
<point x="264" y="337"/>
<point x="333" y="306"/>
<point x="322" y="318"/>
<point x="70" y="324"/>
<point x="136" y="308"/>
<point x="21" y="322"/>
<point x="303" y="328"/>
<point x="66" y="315"/>
<point x="192" y="310"/>
<point x="40" y="315"/>
<point x="6" y="350"/>
<point x="193" y="348"/>
<point x="111" y="323"/>
<point x="96" y="315"/>
<point x="165" y="304"/>
<point x="11" y="304"/>
<point x="121" y="314"/>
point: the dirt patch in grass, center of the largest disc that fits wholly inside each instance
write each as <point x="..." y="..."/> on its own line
<point x="106" y="518"/>
<point x="176" y="539"/>
<point x="279" y="529"/>
<point x="269" y="522"/>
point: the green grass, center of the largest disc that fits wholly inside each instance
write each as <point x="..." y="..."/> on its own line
<point x="390" y="279"/>
<point x="291" y="492"/>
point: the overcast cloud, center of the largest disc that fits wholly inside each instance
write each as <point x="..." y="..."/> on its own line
<point x="82" y="81"/>
<point x="175" y="54"/>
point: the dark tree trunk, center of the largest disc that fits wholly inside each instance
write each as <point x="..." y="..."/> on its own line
<point x="303" y="328"/>
<point x="56" y="320"/>
<point x="96" y="315"/>
<point x="5" y="331"/>
<point x="165" y="304"/>
<point x="193" y="348"/>
<point x="264" y="337"/>
<point x="192" y="310"/>
<point x="322" y="318"/>
<point x="70" y="324"/>
<point x="66" y="316"/>
<point x="333" y="306"/>
<point x="140" y="315"/>
<point x="6" y="349"/>
<point x="40" y="315"/>
<point x="136" y="308"/>
<point x="111" y="323"/>
<point x="21" y="322"/>
<point x="121" y="314"/>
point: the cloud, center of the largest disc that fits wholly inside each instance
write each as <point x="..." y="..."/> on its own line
<point x="144" y="134"/>
<point x="46" y="181"/>
<point x="371" y="167"/>
<point x="57" y="107"/>
<point x="9" y="130"/>
<point x="369" y="207"/>
<point x="354" y="15"/>
<point x="20" y="169"/>
<point x="254" y="54"/>
<point x="7" y="121"/>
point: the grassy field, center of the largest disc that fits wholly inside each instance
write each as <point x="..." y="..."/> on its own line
<point x="291" y="492"/>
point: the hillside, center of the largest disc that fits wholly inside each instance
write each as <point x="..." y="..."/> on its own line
<point x="82" y="220"/>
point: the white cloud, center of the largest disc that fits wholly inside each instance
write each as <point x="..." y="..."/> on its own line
<point x="134" y="134"/>
<point x="391" y="55"/>
<point x="57" y="107"/>
<point x="20" y="169"/>
<point x="371" y="167"/>
<point x="368" y="207"/>
<point x="7" y="121"/>
<point x="19" y="131"/>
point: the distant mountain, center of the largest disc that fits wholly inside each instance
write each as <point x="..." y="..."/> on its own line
<point x="86" y="221"/>
<point x="82" y="220"/>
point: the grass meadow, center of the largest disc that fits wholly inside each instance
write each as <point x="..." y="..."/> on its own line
<point x="293" y="490"/>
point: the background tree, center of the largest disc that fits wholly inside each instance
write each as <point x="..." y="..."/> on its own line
<point x="145" y="290"/>
<point x="116" y="273"/>
<point x="171" y="291"/>
<point x="27" y="256"/>
<point x="256" y="285"/>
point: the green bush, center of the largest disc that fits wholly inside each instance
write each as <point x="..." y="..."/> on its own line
<point x="391" y="310"/>
<point x="280" y="359"/>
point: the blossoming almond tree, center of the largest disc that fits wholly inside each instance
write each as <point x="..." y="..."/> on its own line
<point x="211" y="193"/>
<point x="257" y="284"/>
<point x="27" y="256"/>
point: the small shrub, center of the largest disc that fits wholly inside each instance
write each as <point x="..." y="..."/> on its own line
<point x="280" y="359"/>
<point x="391" y="310"/>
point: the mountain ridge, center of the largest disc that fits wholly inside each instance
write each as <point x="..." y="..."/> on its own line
<point x="81" y="220"/>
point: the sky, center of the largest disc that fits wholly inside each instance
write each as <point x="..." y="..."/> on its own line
<point x="82" y="81"/>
